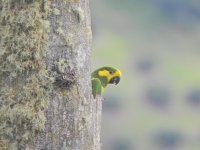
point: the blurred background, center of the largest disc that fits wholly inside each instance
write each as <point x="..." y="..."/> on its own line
<point x="156" y="45"/>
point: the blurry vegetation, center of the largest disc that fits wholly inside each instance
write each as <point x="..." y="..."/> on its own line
<point x="145" y="65"/>
<point x="158" y="97"/>
<point x="155" y="43"/>
<point x="193" y="97"/>
<point x="119" y="144"/>
<point x="111" y="49"/>
<point x="112" y="103"/>
<point x="167" y="139"/>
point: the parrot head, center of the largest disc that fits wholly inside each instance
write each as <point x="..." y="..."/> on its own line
<point x="107" y="75"/>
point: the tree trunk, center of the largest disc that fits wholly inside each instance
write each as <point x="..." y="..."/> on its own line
<point x="45" y="84"/>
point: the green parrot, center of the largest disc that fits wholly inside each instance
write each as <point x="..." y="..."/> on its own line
<point x="102" y="77"/>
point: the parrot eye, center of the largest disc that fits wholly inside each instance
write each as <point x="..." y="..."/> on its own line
<point x="111" y="72"/>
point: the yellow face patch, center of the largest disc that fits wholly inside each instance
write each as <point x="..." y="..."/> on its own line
<point x="118" y="73"/>
<point x="105" y="73"/>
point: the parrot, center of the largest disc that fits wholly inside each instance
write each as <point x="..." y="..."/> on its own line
<point x="102" y="77"/>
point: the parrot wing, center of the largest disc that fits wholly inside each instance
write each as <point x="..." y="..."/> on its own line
<point x="96" y="87"/>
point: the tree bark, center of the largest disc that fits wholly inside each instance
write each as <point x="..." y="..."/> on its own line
<point x="45" y="83"/>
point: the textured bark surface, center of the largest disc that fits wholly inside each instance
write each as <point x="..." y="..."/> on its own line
<point x="73" y="117"/>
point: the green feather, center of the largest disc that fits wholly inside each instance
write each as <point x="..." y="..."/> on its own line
<point x="96" y="87"/>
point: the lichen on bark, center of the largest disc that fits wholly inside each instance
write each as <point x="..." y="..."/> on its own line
<point x="46" y="84"/>
<point x="23" y="77"/>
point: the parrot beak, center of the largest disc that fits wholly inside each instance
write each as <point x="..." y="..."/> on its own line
<point x="115" y="80"/>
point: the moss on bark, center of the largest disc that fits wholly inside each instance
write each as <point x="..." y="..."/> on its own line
<point x="23" y="76"/>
